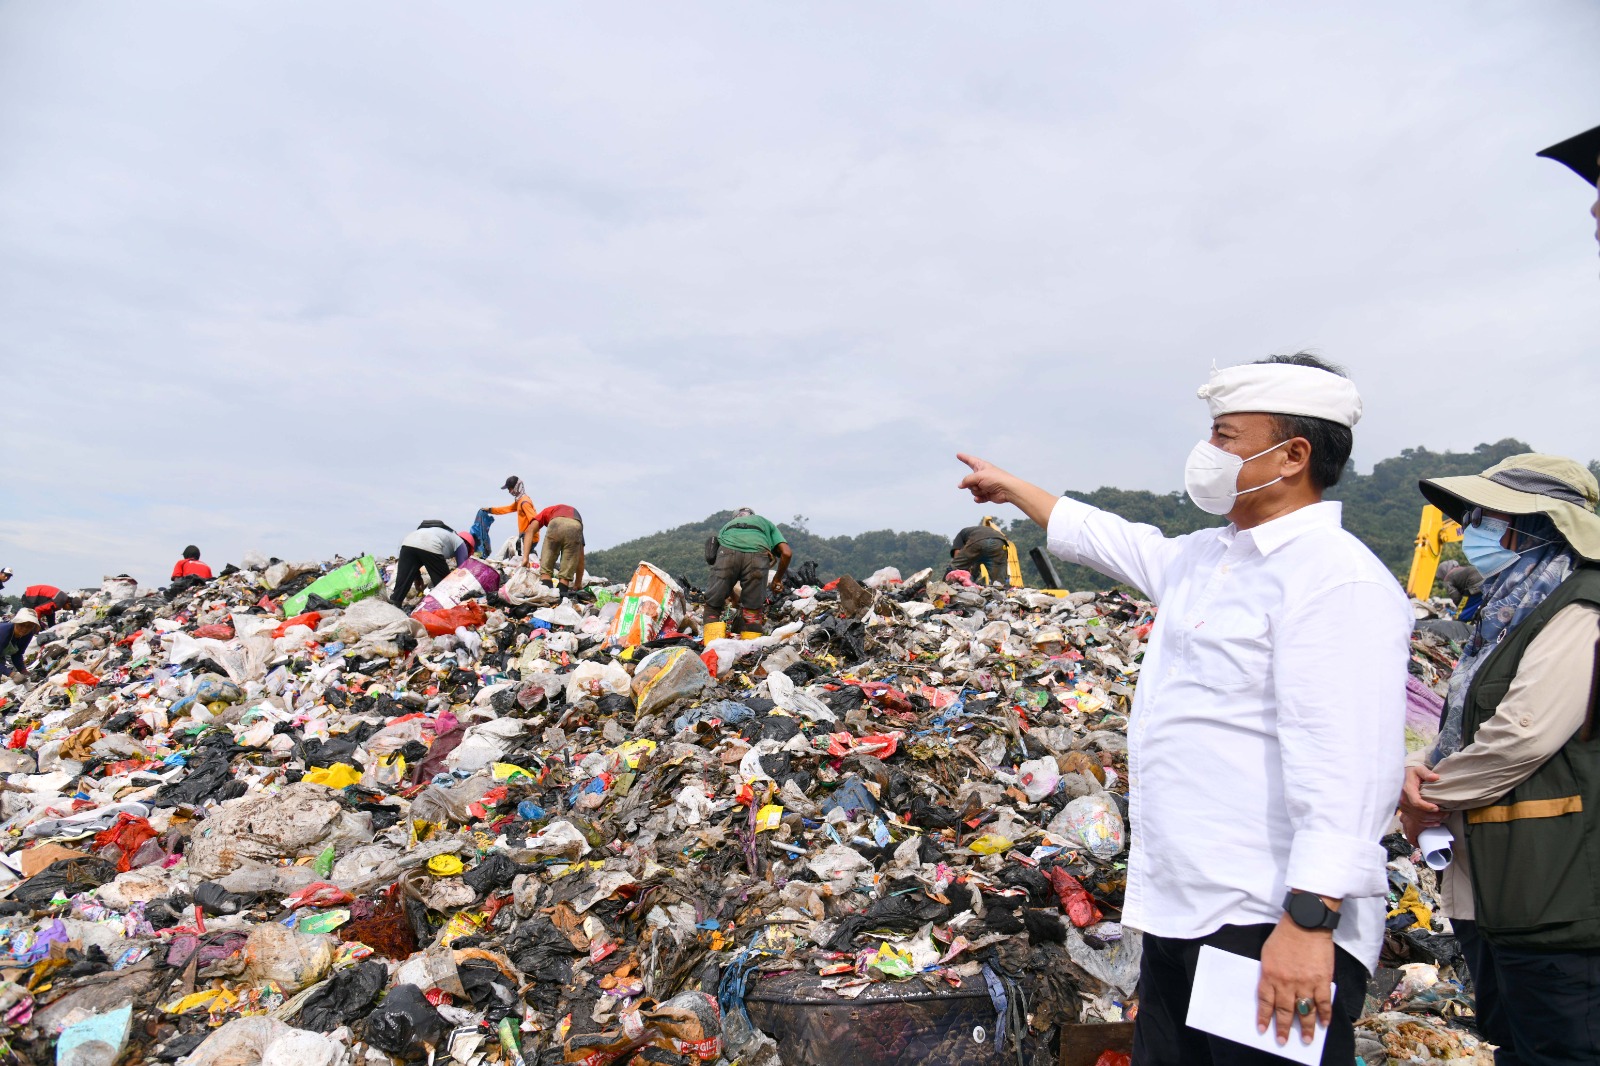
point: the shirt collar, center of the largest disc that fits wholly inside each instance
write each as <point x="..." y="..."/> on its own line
<point x="1268" y="537"/>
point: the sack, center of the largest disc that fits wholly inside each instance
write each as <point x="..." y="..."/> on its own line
<point x="666" y="676"/>
<point x="651" y="600"/>
<point x="711" y="550"/>
<point x="440" y="623"/>
<point x="351" y="582"/>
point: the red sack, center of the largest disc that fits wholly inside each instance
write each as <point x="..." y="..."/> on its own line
<point x="1075" y="899"/>
<point x="449" y="619"/>
<point x="216" y="631"/>
<point x="311" y="619"/>
<point x="81" y="677"/>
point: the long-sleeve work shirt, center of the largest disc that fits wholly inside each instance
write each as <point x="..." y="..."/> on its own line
<point x="1267" y="742"/>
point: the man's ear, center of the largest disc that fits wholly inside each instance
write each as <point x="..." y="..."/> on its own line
<point x="1296" y="456"/>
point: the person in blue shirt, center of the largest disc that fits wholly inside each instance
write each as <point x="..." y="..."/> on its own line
<point x="15" y="637"/>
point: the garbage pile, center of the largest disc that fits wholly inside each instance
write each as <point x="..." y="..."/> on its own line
<point x="273" y="819"/>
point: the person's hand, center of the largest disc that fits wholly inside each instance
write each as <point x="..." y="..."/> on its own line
<point x="777" y="584"/>
<point x="1296" y="964"/>
<point x="987" y="482"/>
<point x="1414" y="810"/>
<point x="18" y="676"/>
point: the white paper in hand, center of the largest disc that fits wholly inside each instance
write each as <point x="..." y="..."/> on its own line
<point x="1223" y="1003"/>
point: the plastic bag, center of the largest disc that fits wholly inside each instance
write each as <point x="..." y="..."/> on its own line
<point x="524" y="586"/>
<point x="351" y="582"/>
<point x="294" y="961"/>
<point x="472" y="579"/>
<point x="444" y="622"/>
<point x="348" y="996"/>
<point x="405" y="1024"/>
<point x="666" y="676"/>
<point x="1095" y="823"/>
<point x="363" y="618"/>
<point x="591" y="680"/>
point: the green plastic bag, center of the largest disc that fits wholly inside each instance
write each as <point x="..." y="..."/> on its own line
<point x="351" y="582"/>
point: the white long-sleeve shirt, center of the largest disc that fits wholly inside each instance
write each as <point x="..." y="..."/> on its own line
<point x="1266" y="747"/>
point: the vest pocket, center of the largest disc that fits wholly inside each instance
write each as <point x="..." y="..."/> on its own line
<point x="1532" y="860"/>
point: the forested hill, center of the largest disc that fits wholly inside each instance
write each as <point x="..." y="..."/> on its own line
<point x="1381" y="508"/>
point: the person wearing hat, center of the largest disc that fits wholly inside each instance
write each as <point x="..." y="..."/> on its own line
<point x="745" y="549"/>
<point x="432" y="547"/>
<point x="1463" y="586"/>
<point x="5" y="575"/>
<point x="1581" y="155"/>
<point x="15" y="636"/>
<point x="527" y="516"/>
<point x="977" y="546"/>
<point x="1515" y="773"/>
<point x="1267" y="738"/>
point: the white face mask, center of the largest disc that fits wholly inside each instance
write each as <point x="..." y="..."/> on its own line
<point x="1211" y="477"/>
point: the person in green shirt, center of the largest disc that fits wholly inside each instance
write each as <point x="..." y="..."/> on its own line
<point x="746" y="548"/>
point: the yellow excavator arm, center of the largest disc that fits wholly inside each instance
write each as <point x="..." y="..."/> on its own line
<point x="1432" y="535"/>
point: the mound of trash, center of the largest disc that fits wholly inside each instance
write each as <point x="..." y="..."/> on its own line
<point x="273" y="819"/>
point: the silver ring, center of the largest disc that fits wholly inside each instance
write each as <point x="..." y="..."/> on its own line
<point x="1303" y="1007"/>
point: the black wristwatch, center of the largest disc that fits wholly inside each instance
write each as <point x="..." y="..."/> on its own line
<point x="1309" y="912"/>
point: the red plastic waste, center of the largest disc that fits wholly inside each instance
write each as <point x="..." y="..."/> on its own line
<point x="214" y="631"/>
<point x="439" y="623"/>
<point x="311" y="619"/>
<point x="123" y="840"/>
<point x="1075" y="899"/>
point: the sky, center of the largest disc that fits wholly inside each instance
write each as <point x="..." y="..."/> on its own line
<point x="292" y="277"/>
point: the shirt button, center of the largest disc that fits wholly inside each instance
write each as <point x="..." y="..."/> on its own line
<point x="1526" y="720"/>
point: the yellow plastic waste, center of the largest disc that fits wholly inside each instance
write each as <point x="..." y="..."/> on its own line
<point x="214" y="999"/>
<point x="445" y="866"/>
<point x="505" y="771"/>
<point x="339" y="775"/>
<point x="1412" y="902"/>
<point x="769" y="817"/>
<point x="633" y="752"/>
<point x="991" y="844"/>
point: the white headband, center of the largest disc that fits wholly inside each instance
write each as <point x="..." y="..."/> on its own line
<point x="1282" y="389"/>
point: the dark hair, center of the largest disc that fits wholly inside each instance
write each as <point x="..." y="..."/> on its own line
<point x="191" y="552"/>
<point x="1330" y="442"/>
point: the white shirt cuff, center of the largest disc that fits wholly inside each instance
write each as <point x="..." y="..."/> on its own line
<point x="1066" y="524"/>
<point x="1337" y="866"/>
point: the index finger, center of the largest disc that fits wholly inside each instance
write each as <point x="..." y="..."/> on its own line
<point x="971" y="460"/>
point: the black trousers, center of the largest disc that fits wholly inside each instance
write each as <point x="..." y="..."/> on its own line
<point x="1538" y="1006"/>
<point x="1160" y="1037"/>
<point x="409" y="567"/>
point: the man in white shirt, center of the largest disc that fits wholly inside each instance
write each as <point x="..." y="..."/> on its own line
<point x="1266" y="744"/>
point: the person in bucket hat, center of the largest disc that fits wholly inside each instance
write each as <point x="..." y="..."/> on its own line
<point x="14" y="638"/>
<point x="1514" y="776"/>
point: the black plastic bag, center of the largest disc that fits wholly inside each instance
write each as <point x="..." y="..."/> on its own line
<point x="405" y="1024"/>
<point x="64" y="877"/>
<point x="347" y="996"/>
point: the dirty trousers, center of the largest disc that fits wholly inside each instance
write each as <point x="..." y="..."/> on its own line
<point x="990" y="552"/>
<point x="1160" y="1037"/>
<point x="748" y="570"/>
<point x="409" y="567"/>
<point x="1541" y="1007"/>
<point x="563" y="542"/>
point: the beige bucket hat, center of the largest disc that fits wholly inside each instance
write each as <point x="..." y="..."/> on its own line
<point x="1561" y="489"/>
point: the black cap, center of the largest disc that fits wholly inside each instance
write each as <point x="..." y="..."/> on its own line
<point x="1580" y="153"/>
<point x="510" y="482"/>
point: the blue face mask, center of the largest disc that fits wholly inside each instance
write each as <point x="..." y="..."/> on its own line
<point x="1481" y="545"/>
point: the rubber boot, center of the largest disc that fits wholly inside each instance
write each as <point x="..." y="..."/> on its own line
<point x="714" y="631"/>
<point x="750" y="634"/>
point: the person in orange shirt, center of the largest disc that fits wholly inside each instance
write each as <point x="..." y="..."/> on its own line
<point x="191" y="566"/>
<point x="527" y="515"/>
